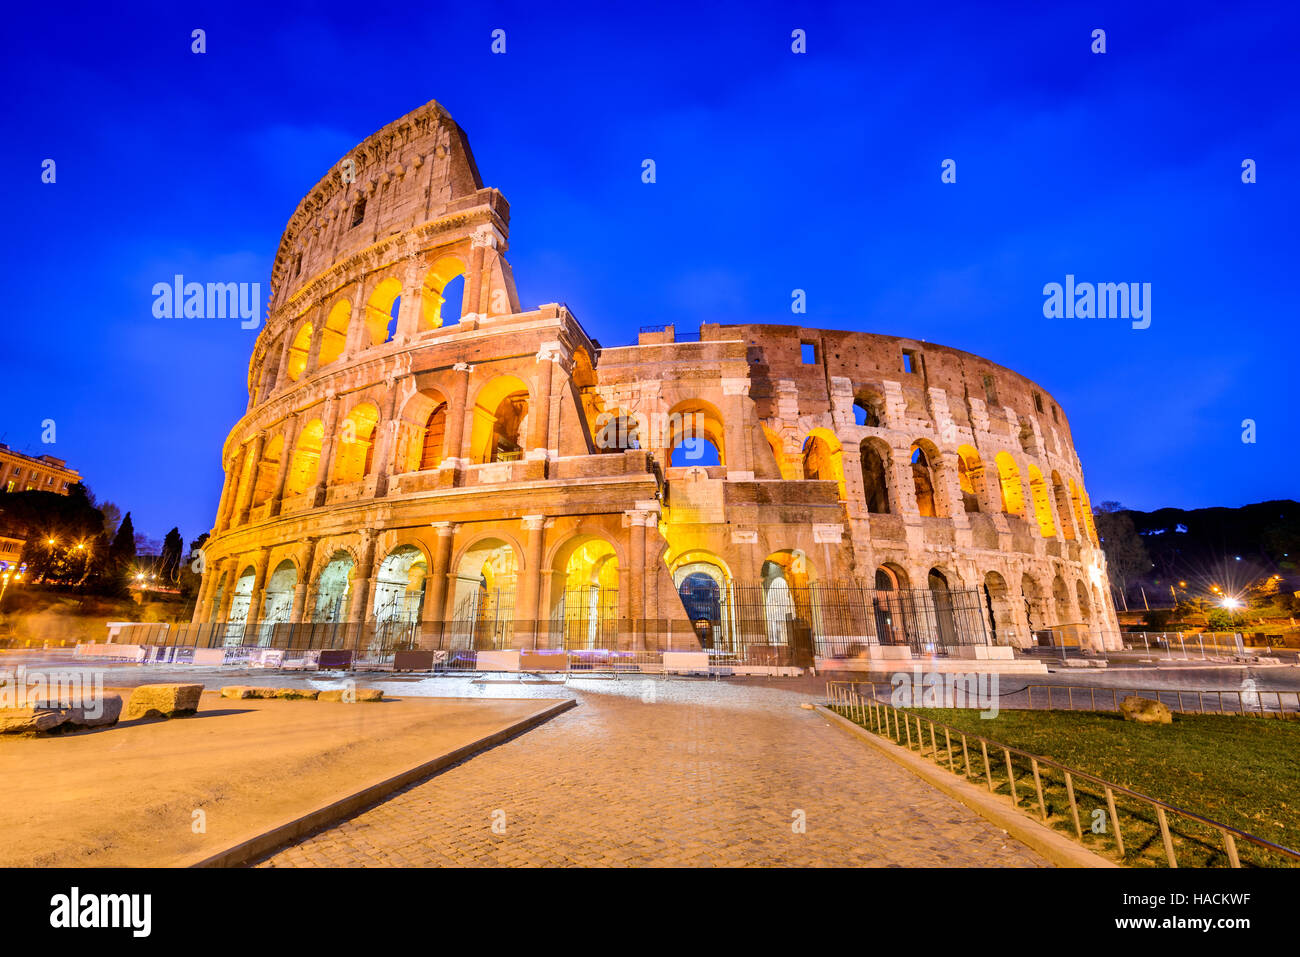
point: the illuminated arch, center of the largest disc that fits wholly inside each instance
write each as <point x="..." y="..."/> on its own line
<point x="433" y="293"/>
<point x="380" y="307"/>
<point x="924" y="458"/>
<point x="268" y="471"/>
<point x="1042" y="502"/>
<point x="304" y="464"/>
<point x="423" y="428"/>
<point x="1063" y="509"/>
<point x="354" y="447"/>
<point x="501" y="416"/>
<point x="691" y="424"/>
<point x="823" y="458"/>
<point x="298" y="350"/>
<point x="334" y="336"/>
<point x="1013" y="492"/>
<point x="970" y="476"/>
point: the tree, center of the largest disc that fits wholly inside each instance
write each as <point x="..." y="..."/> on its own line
<point x="123" y="548"/>
<point x="1126" y="554"/>
<point x="170" y="560"/>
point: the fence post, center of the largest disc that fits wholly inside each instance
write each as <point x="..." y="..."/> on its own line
<point x="1011" y="777"/>
<point x="1165" y="836"/>
<point x="988" y="768"/>
<point x="1114" y="821"/>
<point x="1074" y="806"/>
<point x="1038" y="786"/>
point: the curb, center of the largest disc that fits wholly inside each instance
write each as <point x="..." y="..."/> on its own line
<point x="1059" y="850"/>
<point x="262" y="844"/>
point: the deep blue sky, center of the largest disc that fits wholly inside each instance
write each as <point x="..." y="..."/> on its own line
<point x="775" y="172"/>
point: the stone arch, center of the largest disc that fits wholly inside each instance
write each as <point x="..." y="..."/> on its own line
<point x="875" y="455"/>
<point x="1085" y="606"/>
<point x="891" y="576"/>
<point x="999" y="609"/>
<point x="354" y="446"/>
<point x="970" y="477"/>
<point x="435" y="294"/>
<point x="693" y="424"/>
<point x="299" y="349"/>
<point x="268" y="470"/>
<point x="584" y="594"/>
<point x="500" y="424"/>
<point x="1063" y="512"/>
<point x="777" y="444"/>
<point x="334" y="334"/>
<point x="400" y="581"/>
<point x="485" y="574"/>
<point x="941" y="584"/>
<point x="1060" y="600"/>
<point x="1042" y="500"/>
<point x="241" y="599"/>
<point x="925" y="463"/>
<point x="617" y="430"/>
<point x="304" y="464"/>
<point x="422" y="432"/>
<point x="1035" y="609"/>
<point x="1013" y="492"/>
<point x="277" y="597"/>
<point x="334" y="586"/>
<point x="823" y="458"/>
<point x="381" y="309"/>
<point x="868" y="408"/>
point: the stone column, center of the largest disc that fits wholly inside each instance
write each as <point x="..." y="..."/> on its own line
<point x="291" y="426"/>
<point x="330" y="424"/>
<point x="317" y="333"/>
<point x="526" y="610"/>
<point x="227" y="492"/>
<point x="739" y="434"/>
<point x="228" y="591"/>
<point x="358" y="335"/>
<point x="386" y="429"/>
<point x="546" y="358"/>
<point x="258" y="597"/>
<point x="212" y="575"/>
<point x="408" y="313"/>
<point x="363" y="579"/>
<point x="636" y="521"/>
<point x="457" y="413"/>
<point x="305" y="556"/>
<point x="254" y="455"/>
<point x="435" y="599"/>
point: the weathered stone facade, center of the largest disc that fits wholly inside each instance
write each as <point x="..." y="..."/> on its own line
<point x="399" y="462"/>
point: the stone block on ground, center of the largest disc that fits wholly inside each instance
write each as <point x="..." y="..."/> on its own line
<point x="31" y="720"/>
<point x="162" y="701"/>
<point x="308" y="694"/>
<point x="1145" y="711"/>
<point x="353" y="694"/>
<point x="102" y="713"/>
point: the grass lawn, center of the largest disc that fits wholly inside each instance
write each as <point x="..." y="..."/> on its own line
<point x="1241" y="771"/>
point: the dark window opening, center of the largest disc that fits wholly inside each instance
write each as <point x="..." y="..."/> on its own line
<point x="990" y="390"/>
<point x="808" y="353"/>
<point x="359" y="212"/>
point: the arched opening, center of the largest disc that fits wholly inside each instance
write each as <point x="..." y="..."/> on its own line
<point x="875" y="489"/>
<point x="616" y="431"/>
<point x="823" y="459"/>
<point x="381" y="311"/>
<point x="923" y="482"/>
<point x="970" y="476"/>
<point x="704" y="586"/>
<point x="695" y="435"/>
<point x="240" y="601"/>
<point x="484" y="599"/>
<point x="941" y="597"/>
<point x="787" y="602"/>
<point x="888" y="606"/>
<point x="1013" y="494"/>
<point x="584" y="599"/>
<point x="268" y="471"/>
<point x="277" y="604"/>
<point x="441" y="294"/>
<point x="334" y="337"/>
<point x="869" y="409"/>
<point x="298" y="350"/>
<point x="501" y="417"/>
<point x="1088" y="524"/>
<point x="355" y="447"/>
<point x="1042" y="503"/>
<point x="777" y="445"/>
<point x="1001" y="615"/>
<point x="1063" y="507"/>
<point x="1085" y="606"/>
<point x="399" y="586"/>
<point x="422" y="432"/>
<point x="304" y="465"/>
<point x="1061" y="601"/>
<point x="333" y="588"/>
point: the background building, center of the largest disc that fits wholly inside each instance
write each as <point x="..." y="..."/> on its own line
<point x="45" y="473"/>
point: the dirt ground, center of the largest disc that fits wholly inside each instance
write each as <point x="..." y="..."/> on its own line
<point x="128" y="795"/>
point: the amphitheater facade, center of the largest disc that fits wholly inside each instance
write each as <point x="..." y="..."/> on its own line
<point x="480" y="473"/>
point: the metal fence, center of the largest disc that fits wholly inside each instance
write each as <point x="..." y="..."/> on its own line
<point x="1057" y="798"/>
<point x="1176" y="645"/>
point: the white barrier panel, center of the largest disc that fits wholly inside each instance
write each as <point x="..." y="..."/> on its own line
<point x="209" y="656"/>
<point x="686" y="662"/>
<point x="99" y="649"/>
<point x="498" y="661"/>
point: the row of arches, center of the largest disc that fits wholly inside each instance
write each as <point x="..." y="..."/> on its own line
<point x="440" y="295"/>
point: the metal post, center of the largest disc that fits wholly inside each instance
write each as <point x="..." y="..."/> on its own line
<point x="1114" y="821"/>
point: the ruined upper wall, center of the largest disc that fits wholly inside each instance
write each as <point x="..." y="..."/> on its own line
<point x="412" y="171"/>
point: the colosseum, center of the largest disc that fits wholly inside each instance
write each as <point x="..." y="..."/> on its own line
<point x="425" y="464"/>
